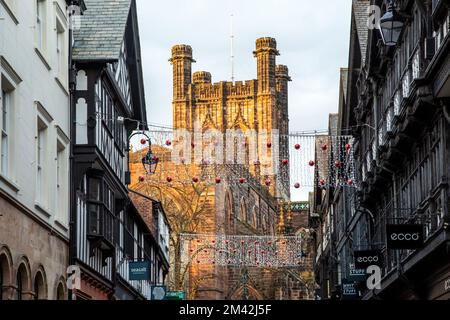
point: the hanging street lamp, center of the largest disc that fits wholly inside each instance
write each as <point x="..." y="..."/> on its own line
<point x="149" y="161"/>
<point x="391" y="25"/>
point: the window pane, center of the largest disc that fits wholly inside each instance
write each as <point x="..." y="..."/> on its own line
<point x="94" y="219"/>
<point x="94" y="189"/>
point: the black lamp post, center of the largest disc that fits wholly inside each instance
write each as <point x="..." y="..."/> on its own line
<point x="391" y="25"/>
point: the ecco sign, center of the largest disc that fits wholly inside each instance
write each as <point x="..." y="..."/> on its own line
<point x="404" y="236"/>
<point x="364" y="259"/>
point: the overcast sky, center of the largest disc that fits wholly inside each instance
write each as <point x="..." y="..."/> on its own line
<point x="312" y="37"/>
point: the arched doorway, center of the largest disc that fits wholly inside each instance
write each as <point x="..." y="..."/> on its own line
<point x="23" y="283"/>
<point x="5" y="272"/>
<point x="40" y="285"/>
<point x="61" y="289"/>
<point x="253" y="294"/>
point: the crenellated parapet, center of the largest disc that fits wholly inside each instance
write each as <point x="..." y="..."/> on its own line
<point x="182" y="51"/>
<point x="266" y="44"/>
<point x="202" y="77"/>
<point x="282" y="72"/>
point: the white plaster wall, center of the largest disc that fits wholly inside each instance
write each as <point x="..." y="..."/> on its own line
<point x="17" y="46"/>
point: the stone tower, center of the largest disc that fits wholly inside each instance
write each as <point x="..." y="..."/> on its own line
<point x="260" y="105"/>
<point x="182" y="77"/>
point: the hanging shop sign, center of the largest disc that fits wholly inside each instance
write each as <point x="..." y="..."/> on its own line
<point x="139" y="270"/>
<point x="349" y="291"/>
<point x="357" y="275"/>
<point x="404" y="236"/>
<point x="159" y="292"/>
<point x="366" y="258"/>
<point x="175" y="295"/>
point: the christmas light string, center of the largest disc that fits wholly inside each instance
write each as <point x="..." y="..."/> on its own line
<point x="243" y="250"/>
<point x="308" y="161"/>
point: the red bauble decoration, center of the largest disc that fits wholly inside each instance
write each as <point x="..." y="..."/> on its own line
<point x="322" y="182"/>
<point x="337" y="164"/>
<point x="297" y="185"/>
<point x="218" y="180"/>
<point x="324" y="147"/>
<point x="168" y="143"/>
<point x="348" y="147"/>
<point x="267" y="182"/>
<point x="312" y="163"/>
<point x="169" y="179"/>
<point x="350" y="182"/>
<point x="242" y="180"/>
<point x="141" y="179"/>
<point x="297" y="147"/>
<point x="195" y="179"/>
<point x="269" y="145"/>
<point x="143" y="141"/>
<point x="285" y="162"/>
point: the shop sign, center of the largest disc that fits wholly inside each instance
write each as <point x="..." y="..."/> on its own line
<point x="367" y="258"/>
<point x="404" y="236"/>
<point x="139" y="270"/>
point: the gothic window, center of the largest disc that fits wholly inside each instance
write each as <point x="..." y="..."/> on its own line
<point x="243" y="211"/>
<point x="229" y="212"/>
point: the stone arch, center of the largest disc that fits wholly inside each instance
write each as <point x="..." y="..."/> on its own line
<point x="60" y="289"/>
<point x="6" y="272"/>
<point x="229" y="212"/>
<point x="23" y="279"/>
<point x="253" y="294"/>
<point x="40" y="287"/>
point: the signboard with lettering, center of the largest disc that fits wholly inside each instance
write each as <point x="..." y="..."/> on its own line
<point x="139" y="270"/>
<point x="349" y="291"/>
<point x="366" y="258"/>
<point x="404" y="236"/>
<point x="357" y="275"/>
<point x="175" y="295"/>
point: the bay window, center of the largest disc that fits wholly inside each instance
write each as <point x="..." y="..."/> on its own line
<point x="100" y="209"/>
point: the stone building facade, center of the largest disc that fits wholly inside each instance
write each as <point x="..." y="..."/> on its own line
<point x="34" y="139"/>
